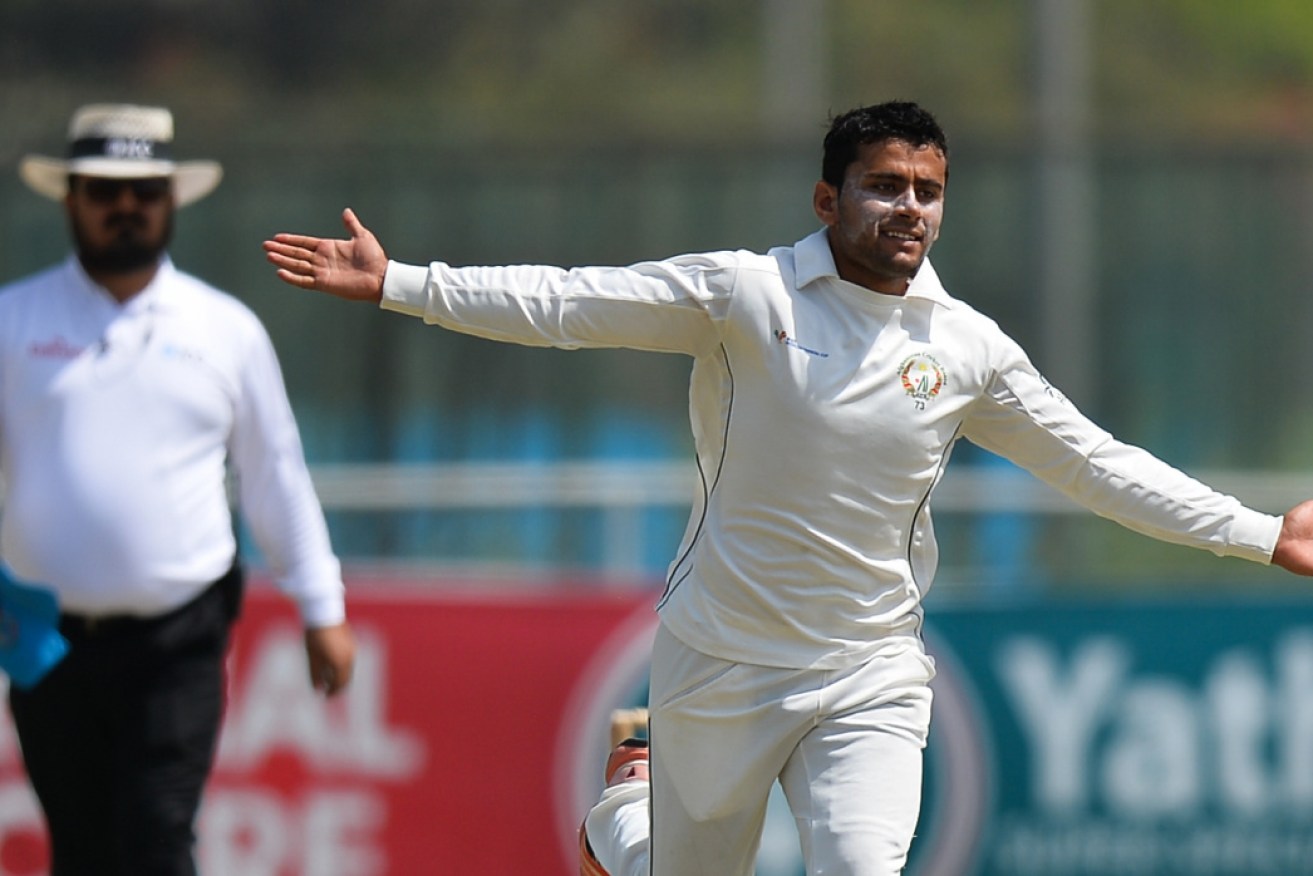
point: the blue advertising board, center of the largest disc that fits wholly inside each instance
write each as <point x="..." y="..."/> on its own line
<point x="1093" y="739"/>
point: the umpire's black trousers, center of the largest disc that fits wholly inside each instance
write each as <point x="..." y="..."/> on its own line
<point x="119" y="738"/>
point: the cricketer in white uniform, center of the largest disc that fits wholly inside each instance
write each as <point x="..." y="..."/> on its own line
<point x="830" y="381"/>
<point x="129" y="391"/>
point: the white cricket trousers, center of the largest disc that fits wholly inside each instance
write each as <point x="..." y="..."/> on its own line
<point x="846" y="745"/>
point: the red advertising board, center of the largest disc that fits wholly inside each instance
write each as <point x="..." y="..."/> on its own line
<point x="470" y="740"/>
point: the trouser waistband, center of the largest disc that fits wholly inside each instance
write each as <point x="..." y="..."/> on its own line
<point x="227" y="588"/>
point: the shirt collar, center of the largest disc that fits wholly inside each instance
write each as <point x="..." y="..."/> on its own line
<point x="813" y="259"/>
<point x="154" y="295"/>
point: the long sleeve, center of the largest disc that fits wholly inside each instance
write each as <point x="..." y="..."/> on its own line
<point x="1021" y="417"/>
<point x="276" y="494"/>
<point x="664" y="306"/>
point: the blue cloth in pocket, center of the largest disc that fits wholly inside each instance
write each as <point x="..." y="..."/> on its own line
<point x="30" y="642"/>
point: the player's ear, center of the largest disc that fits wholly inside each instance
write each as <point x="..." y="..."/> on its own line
<point x="825" y="201"/>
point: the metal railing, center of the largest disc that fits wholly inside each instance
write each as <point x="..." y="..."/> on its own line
<point x="624" y="491"/>
<point x="621" y="485"/>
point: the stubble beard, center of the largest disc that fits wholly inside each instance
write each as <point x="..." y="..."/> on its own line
<point x="129" y="250"/>
<point x="888" y="266"/>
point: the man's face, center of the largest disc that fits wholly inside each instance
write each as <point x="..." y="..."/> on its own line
<point x="887" y="214"/>
<point x="119" y="225"/>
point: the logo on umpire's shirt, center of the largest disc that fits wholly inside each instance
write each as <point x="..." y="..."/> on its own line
<point x="922" y="377"/>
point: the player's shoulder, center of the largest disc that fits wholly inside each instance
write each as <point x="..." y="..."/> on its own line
<point x="210" y="302"/>
<point x="24" y="289"/>
<point x="954" y="310"/>
<point x="722" y="259"/>
<point x="971" y="315"/>
<point x="766" y="265"/>
<point x="976" y="334"/>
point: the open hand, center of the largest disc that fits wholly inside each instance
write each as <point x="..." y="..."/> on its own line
<point x="351" y="269"/>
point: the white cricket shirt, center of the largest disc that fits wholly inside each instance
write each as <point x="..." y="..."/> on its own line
<point x="117" y="422"/>
<point x="823" y="416"/>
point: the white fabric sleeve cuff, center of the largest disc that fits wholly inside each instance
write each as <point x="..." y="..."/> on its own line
<point x="405" y="288"/>
<point x="322" y="610"/>
<point x="1253" y="536"/>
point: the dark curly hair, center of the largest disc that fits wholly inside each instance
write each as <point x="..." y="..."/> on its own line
<point x="893" y="120"/>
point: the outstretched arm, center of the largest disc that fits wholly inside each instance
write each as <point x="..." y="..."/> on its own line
<point x="351" y="269"/>
<point x="1294" y="550"/>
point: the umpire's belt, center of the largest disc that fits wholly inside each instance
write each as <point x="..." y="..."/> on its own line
<point x="84" y="626"/>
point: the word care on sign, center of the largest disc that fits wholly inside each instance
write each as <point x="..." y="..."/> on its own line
<point x="456" y="683"/>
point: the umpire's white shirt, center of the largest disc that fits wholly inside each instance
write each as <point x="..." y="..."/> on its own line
<point x="823" y="415"/>
<point x="116" y="423"/>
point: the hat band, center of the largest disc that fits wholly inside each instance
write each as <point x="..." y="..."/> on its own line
<point x="129" y="148"/>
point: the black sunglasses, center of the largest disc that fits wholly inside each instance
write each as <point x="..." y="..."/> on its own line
<point x="105" y="190"/>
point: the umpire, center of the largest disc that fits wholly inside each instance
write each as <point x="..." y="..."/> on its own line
<point x="129" y="391"/>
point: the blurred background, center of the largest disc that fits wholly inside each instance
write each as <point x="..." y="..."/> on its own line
<point x="1131" y="198"/>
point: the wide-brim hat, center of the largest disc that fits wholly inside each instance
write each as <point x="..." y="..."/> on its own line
<point x="120" y="141"/>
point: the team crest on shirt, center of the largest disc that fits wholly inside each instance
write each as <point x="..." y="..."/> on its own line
<point x="922" y="377"/>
